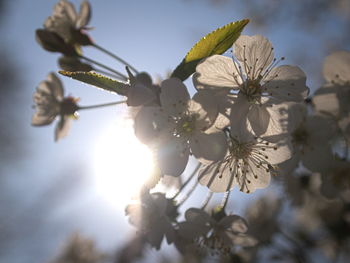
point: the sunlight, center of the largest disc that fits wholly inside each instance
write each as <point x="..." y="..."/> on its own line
<point x="121" y="163"/>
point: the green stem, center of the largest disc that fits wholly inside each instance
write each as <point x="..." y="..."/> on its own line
<point x="115" y="57"/>
<point x="100" y="105"/>
<point x="188" y="194"/>
<point x="120" y="75"/>
<point x="188" y="180"/>
<point x="207" y="199"/>
<point x="224" y="200"/>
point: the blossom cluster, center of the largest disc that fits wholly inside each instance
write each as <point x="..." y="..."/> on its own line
<point x="250" y="119"/>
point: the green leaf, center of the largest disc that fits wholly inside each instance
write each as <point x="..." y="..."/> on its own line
<point x="98" y="80"/>
<point x="216" y="42"/>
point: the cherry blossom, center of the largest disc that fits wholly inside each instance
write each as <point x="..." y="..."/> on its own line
<point x="67" y="23"/>
<point x="219" y="232"/>
<point x="254" y="77"/>
<point x="50" y="103"/>
<point x="249" y="163"/>
<point x="177" y="128"/>
<point x="152" y="215"/>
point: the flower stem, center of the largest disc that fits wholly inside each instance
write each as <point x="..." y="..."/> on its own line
<point x="120" y="75"/>
<point x="188" y="180"/>
<point x="188" y="194"/>
<point x="115" y="57"/>
<point x="207" y="199"/>
<point x="100" y="105"/>
<point x="225" y="199"/>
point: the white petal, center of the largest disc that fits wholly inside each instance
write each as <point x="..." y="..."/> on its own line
<point x="62" y="127"/>
<point x="139" y="94"/>
<point x="286" y="83"/>
<point x="40" y="120"/>
<point x="255" y="54"/>
<point x="84" y="15"/>
<point x="174" y="96"/>
<point x="279" y="152"/>
<point x="56" y="87"/>
<point x="172" y="156"/>
<point x="149" y="121"/>
<point x="216" y="177"/>
<point x="326" y="100"/>
<point x="205" y="106"/>
<point x="69" y="10"/>
<point x="208" y="147"/>
<point x="259" y="119"/>
<point x="336" y="67"/>
<point x="238" y="118"/>
<point x="256" y="177"/>
<point x="216" y="71"/>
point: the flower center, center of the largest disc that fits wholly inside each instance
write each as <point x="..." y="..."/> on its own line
<point x="252" y="90"/>
<point x="240" y="150"/>
<point x="68" y="106"/>
<point x="185" y="125"/>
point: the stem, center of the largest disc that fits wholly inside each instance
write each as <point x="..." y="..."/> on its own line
<point x="188" y="194"/>
<point x="207" y="199"/>
<point x="115" y="57"/>
<point x="101" y="105"/>
<point x="225" y="199"/>
<point x="188" y="180"/>
<point x="120" y="75"/>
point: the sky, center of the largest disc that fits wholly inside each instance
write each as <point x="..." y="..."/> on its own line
<point x="51" y="189"/>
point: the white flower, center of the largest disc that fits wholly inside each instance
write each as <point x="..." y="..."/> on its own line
<point x="336" y="68"/>
<point x="219" y="232"/>
<point x="152" y="216"/>
<point x="50" y="102"/>
<point x="311" y="137"/>
<point x="178" y="126"/>
<point x="67" y="23"/>
<point x="141" y="90"/>
<point x="249" y="163"/>
<point x="254" y="77"/>
<point x="333" y="97"/>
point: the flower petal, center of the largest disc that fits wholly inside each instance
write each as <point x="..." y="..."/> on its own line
<point x="238" y="118"/>
<point x="172" y="156"/>
<point x="217" y="177"/>
<point x="139" y="94"/>
<point x="208" y="147"/>
<point x="336" y="67"/>
<point x="148" y="123"/>
<point x="84" y="15"/>
<point x="216" y="71"/>
<point x="205" y="105"/>
<point x="174" y="96"/>
<point x="286" y="83"/>
<point x="259" y="119"/>
<point x="255" y="54"/>
<point x="62" y="127"/>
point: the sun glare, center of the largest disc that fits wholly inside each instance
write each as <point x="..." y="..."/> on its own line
<point x="121" y="163"/>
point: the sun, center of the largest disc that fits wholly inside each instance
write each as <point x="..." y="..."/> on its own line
<point x="121" y="163"/>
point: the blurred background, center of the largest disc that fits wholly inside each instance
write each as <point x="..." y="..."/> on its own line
<point x="50" y="190"/>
